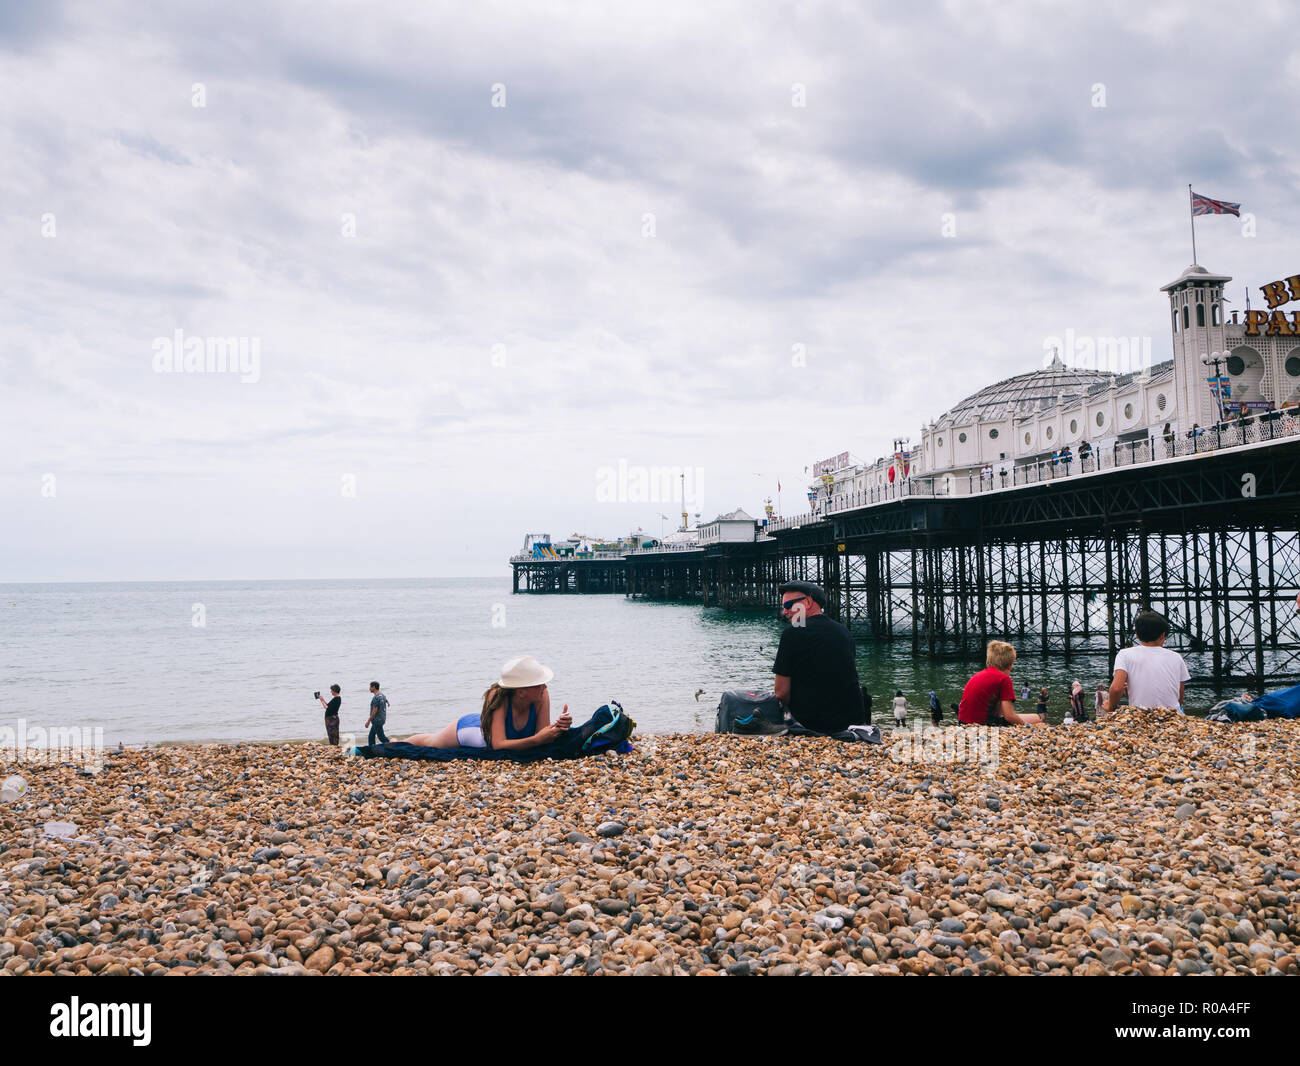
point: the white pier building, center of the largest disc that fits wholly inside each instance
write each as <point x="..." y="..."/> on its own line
<point x="1017" y="430"/>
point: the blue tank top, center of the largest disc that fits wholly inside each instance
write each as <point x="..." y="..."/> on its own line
<point x="529" y="728"/>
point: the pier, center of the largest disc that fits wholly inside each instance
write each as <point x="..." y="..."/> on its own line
<point x="1057" y="564"/>
<point x="1063" y="566"/>
<point x="1048" y="508"/>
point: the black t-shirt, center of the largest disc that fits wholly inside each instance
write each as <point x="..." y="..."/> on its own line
<point x="334" y="705"/>
<point x="819" y="659"/>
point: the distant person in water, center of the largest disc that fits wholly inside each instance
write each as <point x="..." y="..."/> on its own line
<point x="900" y="708"/>
<point x="1099" y="700"/>
<point x="815" y="675"/>
<point x="989" y="697"/>
<point x="1076" y="703"/>
<point x="936" y="709"/>
<point x="516" y="713"/>
<point x="1041" y="708"/>
<point x="378" y="714"/>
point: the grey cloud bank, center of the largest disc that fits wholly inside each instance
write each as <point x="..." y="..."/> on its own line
<point x="471" y="310"/>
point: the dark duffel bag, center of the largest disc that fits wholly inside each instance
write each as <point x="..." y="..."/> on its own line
<point x="749" y="712"/>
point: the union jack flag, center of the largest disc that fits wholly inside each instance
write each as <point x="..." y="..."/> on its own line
<point x="1203" y="205"/>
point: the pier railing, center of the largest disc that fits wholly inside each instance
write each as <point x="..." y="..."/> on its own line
<point x="1157" y="448"/>
<point x="529" y="557"/>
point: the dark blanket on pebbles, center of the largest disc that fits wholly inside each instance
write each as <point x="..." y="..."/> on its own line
<point x="855" y="734"/>
<point x="608" y="729"/>
<point x="761" y="714"/>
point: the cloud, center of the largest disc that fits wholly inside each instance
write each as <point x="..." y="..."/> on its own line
<point x="471" y="307"/>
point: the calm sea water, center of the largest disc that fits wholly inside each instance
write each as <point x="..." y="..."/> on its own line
<point x="131" y="658"/>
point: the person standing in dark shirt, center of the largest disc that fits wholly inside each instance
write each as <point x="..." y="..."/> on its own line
<point x="816" y="668"/>
<point x="332" y="714"/>
<point x="378" y="714"/>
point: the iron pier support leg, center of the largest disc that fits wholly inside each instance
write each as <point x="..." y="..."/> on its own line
<point x="1111" y="649"/>
<point x="916" y="629"/>
<point x="1065" y="592"/>
<point x="1083" y="585"/>
<point x="933" y="561"/>
<point x="1042" y="592"/>
<point x="1144" y="574"/>
<point x="1255" y="609"/>
<point x="1273" y="589"/>
<point x="1215" y="607"/>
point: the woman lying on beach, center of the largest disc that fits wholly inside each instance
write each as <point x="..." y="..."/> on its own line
<point x="516" y="713"/>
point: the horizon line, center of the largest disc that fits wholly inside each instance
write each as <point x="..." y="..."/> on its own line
<point x="215" y="580"/>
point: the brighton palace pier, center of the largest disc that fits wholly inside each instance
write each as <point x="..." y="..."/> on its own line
<point x="1048" y="509"/>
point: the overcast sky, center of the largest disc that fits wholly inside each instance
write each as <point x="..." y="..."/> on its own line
<point x="695" y="236"/>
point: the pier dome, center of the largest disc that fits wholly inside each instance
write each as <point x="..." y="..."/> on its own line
<point x="1027" y="392"/>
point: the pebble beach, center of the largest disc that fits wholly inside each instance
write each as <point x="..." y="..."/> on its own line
<point x="1147" y="843"/>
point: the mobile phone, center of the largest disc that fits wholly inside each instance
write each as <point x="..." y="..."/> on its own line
<point x="317" y="695"/>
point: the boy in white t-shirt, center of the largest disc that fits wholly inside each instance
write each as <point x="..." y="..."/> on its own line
<point x="1153" y="674"/>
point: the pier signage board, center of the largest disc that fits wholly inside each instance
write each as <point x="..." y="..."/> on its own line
<point x="1276" y="293"/>
<point x="826" y="466"/>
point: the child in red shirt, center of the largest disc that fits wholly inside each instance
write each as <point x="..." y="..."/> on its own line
<point x="989" y="696"/>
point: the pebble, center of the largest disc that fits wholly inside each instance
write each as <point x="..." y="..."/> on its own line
<point x="1003" y="900"/>
<point x="719" y="855"/>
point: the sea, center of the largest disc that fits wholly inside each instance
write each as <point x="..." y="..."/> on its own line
<point x="231" y="661"/>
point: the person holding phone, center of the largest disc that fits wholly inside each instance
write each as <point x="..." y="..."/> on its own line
<point x="516" y="713"/>
<point x="332" y="714"/>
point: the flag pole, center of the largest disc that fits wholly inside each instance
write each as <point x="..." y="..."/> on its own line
<point x="1192" y="215"/>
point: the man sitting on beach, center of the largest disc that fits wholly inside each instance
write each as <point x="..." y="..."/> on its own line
<point x="1154" y="675"/>
<point x="816" y="667"/>
<point x="989" y="697"/>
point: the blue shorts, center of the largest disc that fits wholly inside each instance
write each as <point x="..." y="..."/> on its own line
<point x="469" y="731"/>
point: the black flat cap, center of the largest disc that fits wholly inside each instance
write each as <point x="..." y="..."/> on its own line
<point x="817" y="593"/>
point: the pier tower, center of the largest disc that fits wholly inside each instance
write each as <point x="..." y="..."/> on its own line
<point x="1197" y="320"/>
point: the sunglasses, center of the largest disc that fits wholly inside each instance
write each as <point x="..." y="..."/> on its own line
<point x="787" y="605"/>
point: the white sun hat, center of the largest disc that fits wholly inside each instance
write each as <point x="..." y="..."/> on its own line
<point x="523" y="672"/>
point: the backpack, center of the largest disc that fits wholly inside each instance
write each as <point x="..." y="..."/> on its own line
<point x="608" y="728"/>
